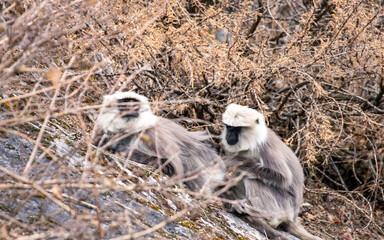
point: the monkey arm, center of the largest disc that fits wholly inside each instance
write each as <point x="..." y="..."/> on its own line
<point x="151" y="160"/>
<point x="276" y="155"/>
<point x="263" y="173"/>
<point x="99" y="138"/>
<point x="257" y="170"/>
<point x="120" y="143"/>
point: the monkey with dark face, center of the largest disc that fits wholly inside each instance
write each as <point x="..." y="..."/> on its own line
<point x="130" y="127"/>
<point x="271" y="190"/>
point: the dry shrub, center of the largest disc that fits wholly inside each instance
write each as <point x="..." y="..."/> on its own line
<point x="315" y="68"/>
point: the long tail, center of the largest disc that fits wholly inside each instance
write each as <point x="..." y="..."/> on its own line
<point x="262" y="226"/>
<point x="298" y="230"/>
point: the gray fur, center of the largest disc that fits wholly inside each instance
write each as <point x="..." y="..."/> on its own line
<point x="272" y="189"/>
<point x="188" y="153"/>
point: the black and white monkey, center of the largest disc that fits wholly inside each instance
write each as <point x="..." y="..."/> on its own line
<point x="271" y="191"/>
<point x="129" y="126"/>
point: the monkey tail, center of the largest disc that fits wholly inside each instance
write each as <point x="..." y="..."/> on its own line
<point x="299" y="231"/>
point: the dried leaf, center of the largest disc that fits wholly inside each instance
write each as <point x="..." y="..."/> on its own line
<point x="4" y="232"/>
<point x="310" y="216"/>
<point x="334" y="219"/>
<point x="56" y="190"/>
<point x="54" y="74"/>
<point x="147" y="139"/>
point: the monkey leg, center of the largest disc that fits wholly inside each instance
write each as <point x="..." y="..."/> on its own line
<point x="262" y="226"/>
<point x="298" y="230"/>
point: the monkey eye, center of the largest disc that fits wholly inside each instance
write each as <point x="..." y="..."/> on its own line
<point x="257" y="121"/>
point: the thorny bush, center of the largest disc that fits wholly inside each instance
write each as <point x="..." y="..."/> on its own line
<point x="314" y="68"/>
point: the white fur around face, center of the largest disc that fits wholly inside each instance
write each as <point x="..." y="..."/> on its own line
<point x="112" y="99"/>
<point x="241" y="116"/>
<point x="110" y="119"/>
<point x="254" y="129"/>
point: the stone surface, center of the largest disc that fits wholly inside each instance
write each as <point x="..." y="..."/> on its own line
<point x="119" y="212"/>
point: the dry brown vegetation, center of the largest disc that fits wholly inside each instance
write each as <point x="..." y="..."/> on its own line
<point x="315" y="69"/>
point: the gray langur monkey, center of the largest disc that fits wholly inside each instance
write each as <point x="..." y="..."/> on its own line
<point x="271" y="191"/>
<point x="129" y="126"/>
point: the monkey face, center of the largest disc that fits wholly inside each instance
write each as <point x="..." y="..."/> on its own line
<point x="233" y="134"/>
<point x="128" y="107"/>
<point x="125" y="112"/>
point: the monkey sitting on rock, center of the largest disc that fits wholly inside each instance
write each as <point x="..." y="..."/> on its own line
<point x="271" y="191"/>
<point x="127" y="125"/>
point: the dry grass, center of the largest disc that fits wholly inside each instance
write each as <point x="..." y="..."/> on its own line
<point x="314" y="68"/>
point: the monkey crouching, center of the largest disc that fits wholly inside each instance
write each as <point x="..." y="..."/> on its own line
<point x="270" y="192"/>
<point x="130" y="127"/>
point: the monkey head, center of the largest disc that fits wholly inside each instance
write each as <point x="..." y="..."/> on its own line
<point x="125" y="112"/>
<point x="244" y="129"/>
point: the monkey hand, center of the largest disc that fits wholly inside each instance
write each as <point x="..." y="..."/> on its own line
<point x="242" y="206"/>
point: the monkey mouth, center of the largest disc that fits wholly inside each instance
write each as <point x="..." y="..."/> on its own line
<point x="130" y="116"/>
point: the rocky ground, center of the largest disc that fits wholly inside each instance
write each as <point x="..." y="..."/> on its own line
<point x="314" y="68"/>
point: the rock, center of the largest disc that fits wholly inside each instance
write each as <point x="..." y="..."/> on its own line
<point x="95" y="208"/>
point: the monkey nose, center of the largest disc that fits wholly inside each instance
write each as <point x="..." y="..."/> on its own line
<point x="232" y="140"/>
